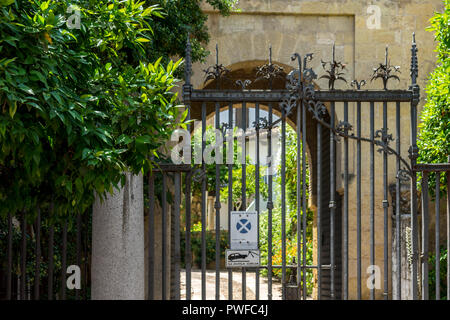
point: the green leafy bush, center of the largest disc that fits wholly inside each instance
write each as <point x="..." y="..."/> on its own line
<point x="78" y="106"/>
<point x="434" y="135"/>
<point x="181" y="17"/>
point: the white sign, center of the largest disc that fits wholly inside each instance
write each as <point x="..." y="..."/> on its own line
<point x="242" y="258"/>
<point x="244" y="230"/>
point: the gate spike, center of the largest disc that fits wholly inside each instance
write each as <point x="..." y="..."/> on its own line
<point x="414" y="61"/>
<point x="386" y="55"/>
<point x="188" y="60"/>
<point x="217" y="54"/>
<point x="334" y="51"/>
<point x="270" y="54"/>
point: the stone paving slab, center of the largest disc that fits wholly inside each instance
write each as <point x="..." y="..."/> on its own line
<point x="196" y="285"/>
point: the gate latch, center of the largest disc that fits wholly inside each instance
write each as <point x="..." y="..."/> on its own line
<point x="292" y="289"/>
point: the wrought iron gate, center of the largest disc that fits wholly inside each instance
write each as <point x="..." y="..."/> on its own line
<point x="314" y="113"/>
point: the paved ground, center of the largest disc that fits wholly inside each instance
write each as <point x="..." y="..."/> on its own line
<point x="196" y="286"/>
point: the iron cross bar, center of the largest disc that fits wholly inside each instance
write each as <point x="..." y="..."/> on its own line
<point x="266" y="96"/>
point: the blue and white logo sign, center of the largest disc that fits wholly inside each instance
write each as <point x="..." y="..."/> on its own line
<point x="243" y="226"/>
<point x="244" y="230"/>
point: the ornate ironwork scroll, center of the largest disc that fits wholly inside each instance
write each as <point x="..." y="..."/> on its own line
<point x="358" y="84"/>
<point x="385" y="140"/>
<point x="300" y="88"/>
<point x="243" y="83"/>
<point x="318" y="109"/>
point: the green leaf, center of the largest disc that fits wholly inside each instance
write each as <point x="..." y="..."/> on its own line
<point x="44" y="6"/>
<point x="142" y="40"/>
<point x="26" y="89"/>
<point x="4" y="3"/>
<point x="40" y="76"/>
<point x="12" y="109"/>
<point x="4" y="62"/>
<point x="141" y="143"/>
<point x="124" y="139"/>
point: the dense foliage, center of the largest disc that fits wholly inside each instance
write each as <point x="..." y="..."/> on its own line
<point x="81" y="104"/>
<point x="181" y="17"/>
<point x="434" y="136"/>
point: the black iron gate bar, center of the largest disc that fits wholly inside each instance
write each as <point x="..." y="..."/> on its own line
<point x="267" y="96"/>
<point x="23" y="289"/>
<point x="165" y="169"/>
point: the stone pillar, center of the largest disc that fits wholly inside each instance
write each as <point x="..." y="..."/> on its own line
<point x="118" y="243"/>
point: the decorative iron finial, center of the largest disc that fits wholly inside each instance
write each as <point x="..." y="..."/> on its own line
<point x="335" y="71"/>
<point x="302" y="75"/>
<point x="217" y="53"/>
<point x="384" y="71"/>
<point x="297" y="57"/>
<point x="294" y="77"/>
<point x="188" y="61"/>
<point x="414" y="61"/>
<point x="308" y="73"/>
<point x="224" y="127"/>
<point x="269" y="71"/>
<point x="344" y="127"/>
<point x="358" y="84"/>
<point x="243" y="83"/>
<point x="217" y="71"/>
<point x="261" y="123"/>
